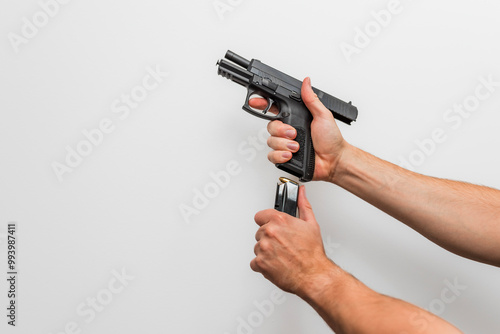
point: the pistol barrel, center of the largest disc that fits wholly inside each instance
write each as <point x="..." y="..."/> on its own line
<point x="230" y="55"/>
<point x="235" y="73"/>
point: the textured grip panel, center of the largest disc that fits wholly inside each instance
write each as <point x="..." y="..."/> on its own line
<point x="312" y="160"/>
<point x="298" y="157"/>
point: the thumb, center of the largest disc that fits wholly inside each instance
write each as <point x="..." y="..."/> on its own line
<point x="305" y="210"/>
<point x="312" y="102"/>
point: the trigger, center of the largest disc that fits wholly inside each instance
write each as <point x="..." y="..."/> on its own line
<point x="269" y="105"/>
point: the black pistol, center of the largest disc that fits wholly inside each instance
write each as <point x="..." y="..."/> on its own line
<point x="284" y="91"/>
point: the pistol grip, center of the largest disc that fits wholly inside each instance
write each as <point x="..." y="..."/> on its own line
<point x="303" y="161"/>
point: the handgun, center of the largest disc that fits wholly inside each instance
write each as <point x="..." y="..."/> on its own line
<point x="284" y="91"/>
<point x="287" y="193"/>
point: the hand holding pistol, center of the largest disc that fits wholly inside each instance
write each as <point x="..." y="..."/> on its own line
<point x="283" y="91"/>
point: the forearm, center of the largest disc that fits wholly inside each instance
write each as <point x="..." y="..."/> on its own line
<point x="461" y="217"/>
<point x="348" y="306"/>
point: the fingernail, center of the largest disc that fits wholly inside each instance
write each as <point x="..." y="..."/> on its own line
<point x="293" y="146"/>
<point x="287" y="155"/>
<point x="310" y="84"/>
<point x="290" y="134"/>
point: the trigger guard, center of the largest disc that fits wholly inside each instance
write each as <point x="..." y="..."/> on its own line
<point x="263" y="114"/>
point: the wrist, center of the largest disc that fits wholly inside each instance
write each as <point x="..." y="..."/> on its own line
<point x="340" y="167"/>
<point x="328" y="277"/>
<point x="339" y="297"/>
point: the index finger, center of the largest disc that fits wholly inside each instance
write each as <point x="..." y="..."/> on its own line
<point x="265" y="216"/>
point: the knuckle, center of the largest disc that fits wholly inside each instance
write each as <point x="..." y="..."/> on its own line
<point x="276" y="143"/>
<point x="265" y="246"/>
<point x="270" y="141"/>
<point x="254" y="266"/>
<point x="280" y="218"/>
<point x="257" y="217"/>
<point x="310" y="98"/>
<point x="271" y="126"/>
<point x="259" y="263"/>
<point x="270" y="231"/>
<point x="274" y="157"/>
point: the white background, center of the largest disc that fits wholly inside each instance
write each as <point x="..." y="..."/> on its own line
<point x="120" y="208"/>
